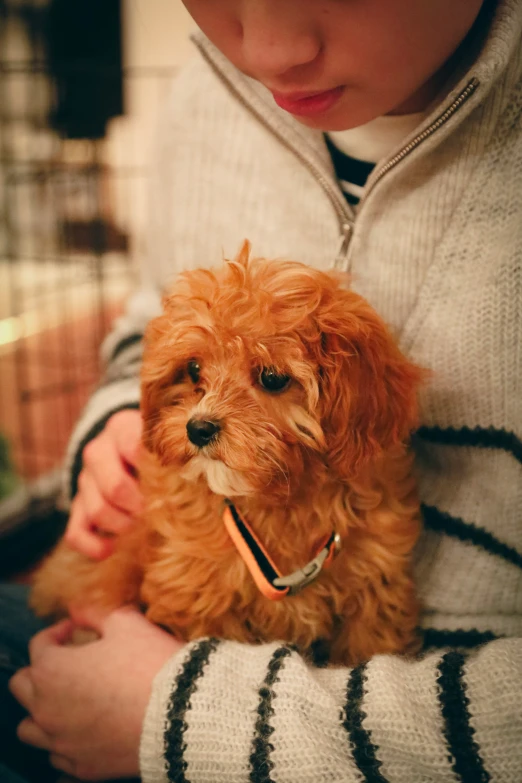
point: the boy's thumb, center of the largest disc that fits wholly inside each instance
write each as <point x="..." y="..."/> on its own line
<point x="93" y="622"/>
<point x="89" y="622"/>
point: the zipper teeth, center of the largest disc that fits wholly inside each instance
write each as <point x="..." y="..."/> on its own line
<point x="336" y="199"/>
<point x="429" y="131"/>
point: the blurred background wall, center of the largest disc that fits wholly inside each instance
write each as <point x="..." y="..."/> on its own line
<point x="82" y="83"/>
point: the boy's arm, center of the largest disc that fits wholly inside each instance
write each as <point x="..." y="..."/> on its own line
<point x="119" y="387"/>
<point x="226" y="712"/>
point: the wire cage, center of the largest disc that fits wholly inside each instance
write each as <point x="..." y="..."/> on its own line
<point x="72" y="227"/>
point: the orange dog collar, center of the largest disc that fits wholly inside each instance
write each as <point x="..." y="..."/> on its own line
<point x="264" y="572"/>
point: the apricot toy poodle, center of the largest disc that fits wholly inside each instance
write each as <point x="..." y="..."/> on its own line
<point x="280" y="502"/>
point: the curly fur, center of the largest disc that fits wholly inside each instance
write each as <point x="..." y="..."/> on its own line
<point x="329" y="452"/>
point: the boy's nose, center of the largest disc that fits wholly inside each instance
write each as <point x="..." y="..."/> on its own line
<point x="275" y="42"/>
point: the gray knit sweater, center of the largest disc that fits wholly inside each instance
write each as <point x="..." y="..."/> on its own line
<point x="436" y="246"/>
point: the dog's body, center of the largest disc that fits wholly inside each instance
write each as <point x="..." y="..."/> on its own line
<point x="298" y="405"/>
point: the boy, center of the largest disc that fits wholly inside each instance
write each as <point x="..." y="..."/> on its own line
<point x="421" y="106"/>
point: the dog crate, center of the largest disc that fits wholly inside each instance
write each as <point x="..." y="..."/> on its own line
<point x="73" y="194"/>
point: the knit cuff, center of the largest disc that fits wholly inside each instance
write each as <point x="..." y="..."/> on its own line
<point x="202" y="713"/>
<point x="224" y="711"/>
<point x="152" y="746"/>
<point x="103" y="404"/>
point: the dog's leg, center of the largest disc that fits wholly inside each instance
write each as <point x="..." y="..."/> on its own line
<point x="385" y="621"/>
<point x="69" y="578"/>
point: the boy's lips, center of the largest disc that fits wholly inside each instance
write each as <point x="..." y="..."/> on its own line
<point x="306" y="104"/>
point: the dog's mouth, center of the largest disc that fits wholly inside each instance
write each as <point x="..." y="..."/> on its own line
<point x="221" y="479"/>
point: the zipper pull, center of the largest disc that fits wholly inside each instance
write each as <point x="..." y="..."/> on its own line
<point x="344" y="243"/>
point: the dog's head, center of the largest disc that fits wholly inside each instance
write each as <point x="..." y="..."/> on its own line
<point x="261" y="370"/>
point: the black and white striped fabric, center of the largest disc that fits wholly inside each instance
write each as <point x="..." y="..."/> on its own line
<point x="356" y="151"/>
<point x="343" y="715"/>
<point x="351" y="173"/>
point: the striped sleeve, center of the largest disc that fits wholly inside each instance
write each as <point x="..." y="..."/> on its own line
<point x="119" y="387"/>
<point x="221" y="711"/>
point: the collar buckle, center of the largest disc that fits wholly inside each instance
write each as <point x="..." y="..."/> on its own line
<point x="303" y="576"/>
<point x="265" y="573"/>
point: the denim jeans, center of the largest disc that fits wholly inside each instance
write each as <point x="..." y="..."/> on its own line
<point x="19" y="763"/>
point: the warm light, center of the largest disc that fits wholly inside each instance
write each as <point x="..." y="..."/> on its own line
<point x="10" y="330"/>
<point x="24" y="325"/>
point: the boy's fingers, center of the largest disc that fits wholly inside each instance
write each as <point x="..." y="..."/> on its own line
<point x="82" y="538"/>
<point x="22" y="688"/>
<point x="127" y="428"/>
<point x="120" y="621"/>
<point x="90" y="544"/>
<point x="29" y="732"/>
<point x="62" y="763"/>
<point x="54" y="636"/>
<point x="104" y="464"/>
<point x="99" y="512"/>
<point x="88" y="617"/>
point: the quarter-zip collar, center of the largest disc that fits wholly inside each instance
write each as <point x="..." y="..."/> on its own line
<point x="496" y="64"/>
<point x="306" y="143"/>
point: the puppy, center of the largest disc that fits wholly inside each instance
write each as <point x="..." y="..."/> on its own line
<point x="279" y="497"/>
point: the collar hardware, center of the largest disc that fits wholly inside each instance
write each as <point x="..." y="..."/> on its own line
<point x="266" y="575"/>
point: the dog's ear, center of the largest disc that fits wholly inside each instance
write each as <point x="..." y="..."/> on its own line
<point x="368" y="387"/>
<point x="155" y="378"/>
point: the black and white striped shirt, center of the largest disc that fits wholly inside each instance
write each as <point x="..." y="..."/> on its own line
<point x="356" y="151"/>
<point x="350" y="172"/>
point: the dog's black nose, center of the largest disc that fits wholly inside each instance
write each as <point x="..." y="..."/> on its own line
<point x="202" y="431"/>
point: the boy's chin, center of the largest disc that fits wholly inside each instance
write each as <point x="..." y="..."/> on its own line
<point x="336" y="120"/>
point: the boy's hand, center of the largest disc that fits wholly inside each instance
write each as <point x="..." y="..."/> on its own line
<point x="87" y="704"/>
<point x="108" y="497"/>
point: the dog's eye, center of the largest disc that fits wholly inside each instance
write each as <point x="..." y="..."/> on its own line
<point x="194" y="370"/>
<point x="273" y="381"/>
